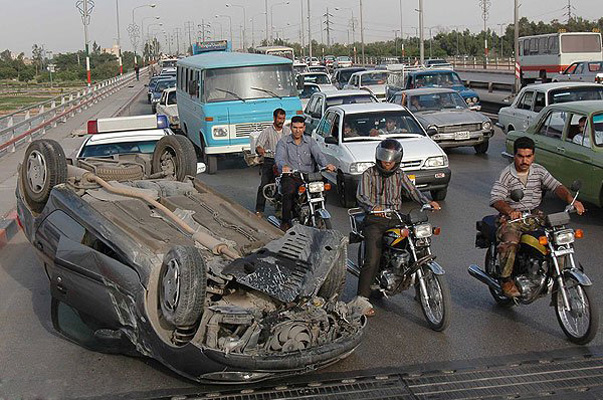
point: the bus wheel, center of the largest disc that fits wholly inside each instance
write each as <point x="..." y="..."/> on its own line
<point x="543" y="77"/>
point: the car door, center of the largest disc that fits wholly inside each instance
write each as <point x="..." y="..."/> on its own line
<point x="324" y="130"/>
<point x="578" y="151"/>
<point x="523" y="113"/>
<point x="578" y="75"/>
<point x="548" y="136"/>
<point x="86" y="273"/>
<point x="567" y="75"/>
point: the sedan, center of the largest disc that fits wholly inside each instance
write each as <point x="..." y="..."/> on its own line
<point x="569" y="143"/>
<point x="582" y="71"/>
<point x="447" y="118"/>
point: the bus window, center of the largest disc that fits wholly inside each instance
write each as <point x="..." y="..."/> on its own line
<point x="526" y="47"/>
<point x="581" y="43"/>
<point x="544" y="46"/>
<point x="553" y="45"/>
<point x="534" y="46"/>
<point x="520" y="48"/>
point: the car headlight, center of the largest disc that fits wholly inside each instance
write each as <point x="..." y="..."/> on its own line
<point x="315" y="187"/>
<point x="219" y="131"/>
<point x="564" y="237"/>
<point x="360" y="167"/>
<point x="486" y="126"/>
<point x="439" y="161"/>
<point x="423" y="231"/>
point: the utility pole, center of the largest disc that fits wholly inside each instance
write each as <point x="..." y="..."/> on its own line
<point x="121" y="67"/>
<point x="85" y="7"/>
<point x="301" y="26"/>
<point x="266" y="9"/>
<point x="569" y="10"/>
<point x="516" y="44"/>
<point x="485" y="6"/>
<point x="328" y="26"/>
<point x="189" y="25"/>
<point x="309" y="33"/>
<point x="401" y="30"/>
<point x="177" y="40"/>
<point x="421" y="35"/>
<point x="362" y="34"/>
<point x="501" y="39"/>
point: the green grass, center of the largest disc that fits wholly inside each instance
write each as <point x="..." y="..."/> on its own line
<point x="14" y="103"/>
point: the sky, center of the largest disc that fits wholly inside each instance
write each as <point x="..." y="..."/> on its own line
<point x="57" y="24"/>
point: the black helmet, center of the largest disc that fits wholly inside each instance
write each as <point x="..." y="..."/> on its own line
<point x="388" y="150"/>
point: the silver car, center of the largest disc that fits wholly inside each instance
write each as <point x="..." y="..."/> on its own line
<point x="348" y="135"/>
<point x="533" y="98"/>
<point x="447" y="118"/>
<point x="320" y="101"/>
<point x="582" y="71"/>
<point x="373" y="81"/>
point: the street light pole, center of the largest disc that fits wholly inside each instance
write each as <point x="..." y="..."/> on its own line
<point x="309" y="33"/>
<point x="85" y="7"/>
<point x="362" y="35"/>
<point x="244" y="41"/>
<point x="121" y="67"/>
<point x="516" y="45"/>
<point x="421" y="35"/>
<point x="272" y="18"/>
<point x="401" y="30"/>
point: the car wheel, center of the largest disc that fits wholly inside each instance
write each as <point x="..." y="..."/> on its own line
<point x="44" y="166"/>
<point x="182" y="286"/>
<point x="438" y="195"/>
<point x="482" y="148"/>
<point x="115" y="172"/>
<point x="346" y="198"/>
<point x="211" y="161"/>
<point x="175" y="156"/>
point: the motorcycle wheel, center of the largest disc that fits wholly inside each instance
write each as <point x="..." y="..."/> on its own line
<point x="580" y="323"/>
<point x="323" y="223"/>
<point x="436" y="308"/>
<point x="500" y="299"/>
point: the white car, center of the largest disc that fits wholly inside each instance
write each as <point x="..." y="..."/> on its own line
<point x="533" y="98"/>
<point x="348" y="135"/>
<point x="167" y="106"/>
<point x="300" y="68"/>
<point x="317" y="104"/>
<point x="321" y="79"/>
<point x="374" y="81"/>
<point x="342" y="62"/>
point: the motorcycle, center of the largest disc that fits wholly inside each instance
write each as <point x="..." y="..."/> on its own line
<point x="544" y="264"/>
<point x="406" y="260"/>
<point x="309" y="203"/>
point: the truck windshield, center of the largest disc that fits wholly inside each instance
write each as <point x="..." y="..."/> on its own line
<point x="244" y="83"/>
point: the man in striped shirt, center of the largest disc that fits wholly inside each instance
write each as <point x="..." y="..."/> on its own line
<point x="382" y="187"/>
<point x="532" y="179"/>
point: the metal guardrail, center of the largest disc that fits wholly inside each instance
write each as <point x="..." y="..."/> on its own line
<point x="24" y="125"/>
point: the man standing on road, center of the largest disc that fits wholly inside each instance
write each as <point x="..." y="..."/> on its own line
<point x="532" y="179"/>
<point x="296" y="152"/>
<point x="266" y="148"/>
<point x="382" y="187"/>
<point x="137" y="70"/>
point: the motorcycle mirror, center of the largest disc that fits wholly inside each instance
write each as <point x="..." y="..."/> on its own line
<point x="576" y="185"/>
<point x="516" y="194"/>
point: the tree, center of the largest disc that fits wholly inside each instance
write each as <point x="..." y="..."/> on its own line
<point x="36" y="55"/>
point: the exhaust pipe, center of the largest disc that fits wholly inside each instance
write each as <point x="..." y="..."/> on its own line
<point x="483" y="277"/>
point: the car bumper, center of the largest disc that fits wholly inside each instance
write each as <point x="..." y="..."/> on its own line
<point x="429" y="179"/>
<point x="446" y="140"/>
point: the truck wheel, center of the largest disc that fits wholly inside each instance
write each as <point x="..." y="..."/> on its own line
<point x="176" y="156"/>
<point x="482" y="148"/>
<point x="211" y="161"/>
<point x="438" y="195"/>
<point x="182" y="286"/>
<point x="44" y="166"/>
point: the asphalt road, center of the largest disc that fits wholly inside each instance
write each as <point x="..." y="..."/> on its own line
<point x="37" y="363"/>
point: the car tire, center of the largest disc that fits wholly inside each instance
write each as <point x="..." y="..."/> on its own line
<point x="44" y="166"/>
<point x="335" y="281"/>
<point x="482" y="148"/>
<point x="182" y="286"/>
<point x="347" y="199"/>
<point x="176" y="155"/>
<point x="438" y="195"/>
<point x="117" y="172"/>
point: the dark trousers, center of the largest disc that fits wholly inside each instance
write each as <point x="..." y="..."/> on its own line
<point x="373" y="240"/>
<point x="267" y="176"/>
<point x="289" y="185"/>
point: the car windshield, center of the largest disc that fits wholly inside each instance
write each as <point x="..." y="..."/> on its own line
<point x="436" y="101"/>
<point x="344" y="76"/>
<point x="110" y="149"/>
<point x="371" y="125"/>
<point x="255" y="82"/>
<point x="162" y="85"/>
<point x="355" y="99"/>
<point x="171" y="98"/>
<point x="575" y="94"/>
<point x="598" y="129"/>
<point x="446" y="79"/>
<point x="300" y="68"/>
<point x="319" y="79"/>
<point x="374" y="78"/>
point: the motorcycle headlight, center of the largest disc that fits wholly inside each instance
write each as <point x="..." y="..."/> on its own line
<point x="439" y="161"/>
<point x="219" y="131"/>
<point x="486" y="126"/>
<point x="315" y="187"/>
<point x="360" y="167"/>
<point x="423" y="231"/>
<point x="564" y="237"/>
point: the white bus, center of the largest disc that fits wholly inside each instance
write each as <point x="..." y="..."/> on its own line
<point x="281" y="51"/>
<point x="543" y="56"/>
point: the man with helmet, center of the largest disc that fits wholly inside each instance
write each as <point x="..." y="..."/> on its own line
<point x="381" y="187"/>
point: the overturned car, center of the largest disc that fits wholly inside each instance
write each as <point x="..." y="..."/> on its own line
<point x="168" y="268"/>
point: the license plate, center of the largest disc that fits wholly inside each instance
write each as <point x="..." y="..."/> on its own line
<point x="413" y="179"/>
<point x="461" y="135"/>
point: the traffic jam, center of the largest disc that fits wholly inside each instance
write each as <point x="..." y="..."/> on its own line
<point x="155" y="262"/>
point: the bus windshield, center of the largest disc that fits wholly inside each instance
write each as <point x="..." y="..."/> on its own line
<point x="585" y="43"/>
<point x="247" y="83"/>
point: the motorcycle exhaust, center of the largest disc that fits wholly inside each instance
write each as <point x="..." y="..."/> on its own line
<point x="483" y="277"/>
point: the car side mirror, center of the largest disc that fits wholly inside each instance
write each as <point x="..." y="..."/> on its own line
<point x="517" y="194"/>
<point x="576" y="185"/>
<point x="331" y="140"/>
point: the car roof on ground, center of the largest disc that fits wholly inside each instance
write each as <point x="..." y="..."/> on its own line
<point x="124" y="137"/>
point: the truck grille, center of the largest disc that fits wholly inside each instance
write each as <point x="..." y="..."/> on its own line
<point x="460" y="128"/>
<point x="244" y="130"/>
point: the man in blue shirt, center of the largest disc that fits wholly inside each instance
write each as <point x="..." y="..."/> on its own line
<point x="296" y="152"/>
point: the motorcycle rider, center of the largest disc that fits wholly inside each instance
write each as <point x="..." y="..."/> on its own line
<point x="296" y="152"/>
<point x="532" y="179"/>
<point x="382" y="187"/>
